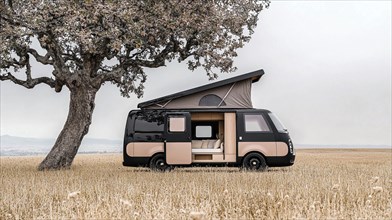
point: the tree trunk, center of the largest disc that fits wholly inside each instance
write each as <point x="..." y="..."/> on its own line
<point x="79" y="119"/>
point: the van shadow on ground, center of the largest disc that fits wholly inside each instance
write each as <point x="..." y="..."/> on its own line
<point x="208" y="170"/>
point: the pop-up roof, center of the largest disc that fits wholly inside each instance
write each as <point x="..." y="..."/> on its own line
<point x="230" y="93"/>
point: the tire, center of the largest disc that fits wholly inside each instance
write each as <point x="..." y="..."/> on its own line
<point x="254" y="162"/>
<point x="158" y="163"/>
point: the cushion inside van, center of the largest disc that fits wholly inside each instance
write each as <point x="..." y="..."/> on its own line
<point x="211" y="144"/>
<point x="205" y="144"/>
<point x="217" y="144"/>
<point x="196" y="143"/>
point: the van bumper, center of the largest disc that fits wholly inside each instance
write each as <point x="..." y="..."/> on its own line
<point x="136" y="161"/>
<point x="292" y="159"/>
<point x="287" y="160"/>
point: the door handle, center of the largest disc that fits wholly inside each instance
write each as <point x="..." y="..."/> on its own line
<point x="240" y="138"/>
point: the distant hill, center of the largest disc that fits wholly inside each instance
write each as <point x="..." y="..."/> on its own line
<point x="16" y="146"/>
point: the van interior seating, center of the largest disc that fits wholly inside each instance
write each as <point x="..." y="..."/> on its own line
<point x="207" y="146"/>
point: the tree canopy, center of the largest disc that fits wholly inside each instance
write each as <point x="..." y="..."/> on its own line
<point x="77" y="37"/>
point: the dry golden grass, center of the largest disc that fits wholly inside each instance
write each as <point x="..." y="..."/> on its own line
<point x="334" y="184"/>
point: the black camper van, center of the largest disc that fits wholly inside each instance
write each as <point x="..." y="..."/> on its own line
<point x="209" y="125"/>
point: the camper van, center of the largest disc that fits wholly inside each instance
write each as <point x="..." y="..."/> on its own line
<point x="212" y="125"/>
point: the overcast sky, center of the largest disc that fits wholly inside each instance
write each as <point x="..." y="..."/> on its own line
<point x="328" y="77"/>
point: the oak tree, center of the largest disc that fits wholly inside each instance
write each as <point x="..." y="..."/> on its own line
<point x="88" y="43"/>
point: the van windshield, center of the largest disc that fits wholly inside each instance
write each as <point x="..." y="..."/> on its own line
<point x="278" y="124"/>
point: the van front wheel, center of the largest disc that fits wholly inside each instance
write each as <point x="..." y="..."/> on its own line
<point x="254" y="161"/>
<point x="159" y="164"/>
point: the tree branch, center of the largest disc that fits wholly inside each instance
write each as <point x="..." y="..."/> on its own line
<point x="42" y="59"/>
<point x="113" y="76"/>
<point x="158" y="60"/>
<point x="29" y="82"/>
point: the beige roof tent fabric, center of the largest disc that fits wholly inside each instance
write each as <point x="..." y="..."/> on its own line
<point x="230" y="93"/>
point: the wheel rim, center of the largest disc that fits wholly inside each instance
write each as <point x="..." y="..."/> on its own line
<point x="160" y="164"/>
<point x="254" y="163"/>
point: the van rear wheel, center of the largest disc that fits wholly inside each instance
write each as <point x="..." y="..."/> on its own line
<point x="254" y="161"/>
<point x="159" y="164"/>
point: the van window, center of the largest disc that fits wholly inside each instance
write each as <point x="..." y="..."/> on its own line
<point x="278" y="124"/>
<point x="255" y="123"/>
<point x="211" y="100"/>
<point x="148" y="122"/>
<point x="177" y="124"/>
<point x="203" y="131"/>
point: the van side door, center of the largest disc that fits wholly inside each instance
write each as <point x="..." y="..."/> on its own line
<point x="177" y="134"/>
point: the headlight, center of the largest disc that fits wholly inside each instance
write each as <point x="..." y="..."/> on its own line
<point x="291" y="146"/>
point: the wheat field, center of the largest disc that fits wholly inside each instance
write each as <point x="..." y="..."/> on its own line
<point x="333" y="184"/>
